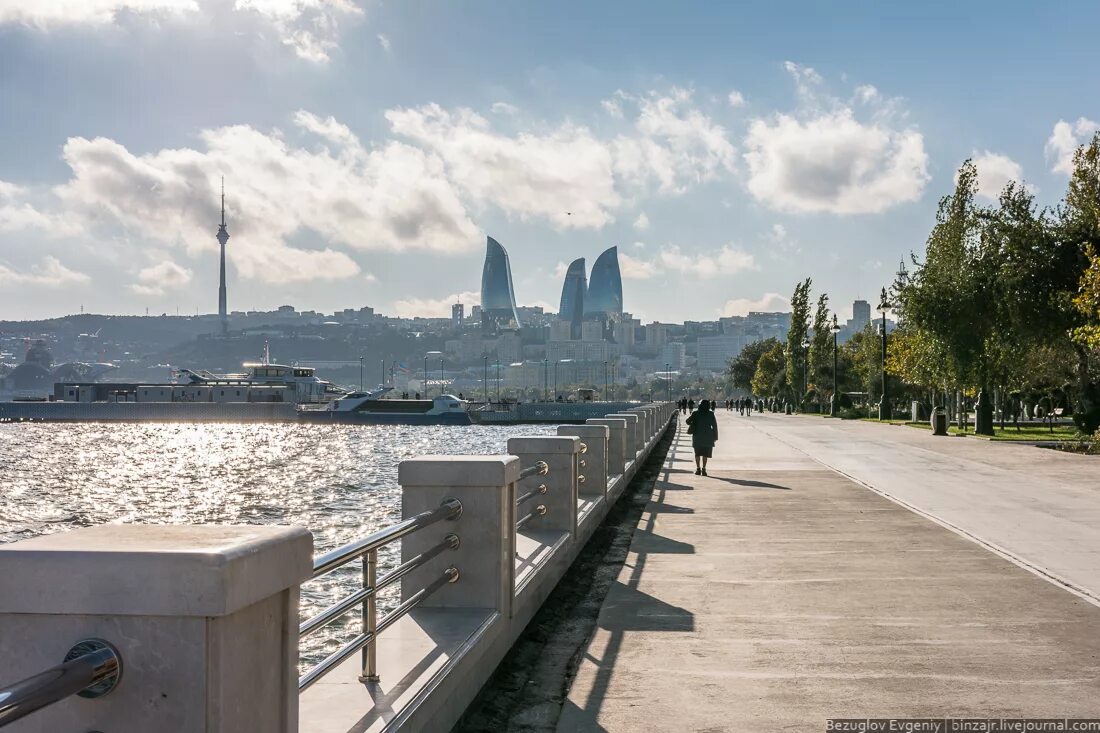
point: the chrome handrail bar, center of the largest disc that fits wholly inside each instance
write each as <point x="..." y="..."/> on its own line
<point x="340" y="608"/>
<point x="538" y="511"/>
<point x="92" y="668"/>
<point x="540" y="490"/>
<point x="449" y="509"/>
<point x="450" y="575"/>
<point x="539" y="469"/>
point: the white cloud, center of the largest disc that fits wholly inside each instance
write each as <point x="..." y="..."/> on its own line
<point x="1064" y="140"/>
<point x="434" y="307"/>
<point x="50" y="273"/>
<point x="384" y="42"/>
<point x="613" y="106"/>
<point x="43" y="14"/>
<point x="563" y="175"/>
<point x="311" y="28"/>
<point x="18" y="214"/>
<point x="736" y="99"/>
<point x="994" y="173"/>
<point x="642" y="222"/>
<point x="503" y="108"/>
<point x="639" y="245"/>
<point x="767" y="303"/>
<point x="833" y="163"/>
<point x="724" y="262"/>
<point x="156" y="279"/>
<point x="393" y="198"/>
<point x="633" y="268"/>
<point x="821" y="158"/>
<point x="673" y="143"/>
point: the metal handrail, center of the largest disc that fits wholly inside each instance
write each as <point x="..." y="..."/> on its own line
<point x="91" y="669"/>
<point x="341" y="608"/>
<point x="367" y="596"/>
<point x="450" y="575"/>
<point x="541" y="489"/>
<point x="539" y="469"/>
<point x="449" y="509"/>
<point x="538" y="511"/>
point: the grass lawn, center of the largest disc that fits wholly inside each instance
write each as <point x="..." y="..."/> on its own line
<point x="1026" y="432"/>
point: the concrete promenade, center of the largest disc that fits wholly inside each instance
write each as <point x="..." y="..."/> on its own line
<point x="777" y="593"/>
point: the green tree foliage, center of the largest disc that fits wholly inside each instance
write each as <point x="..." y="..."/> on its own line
<point x="769" y="379"/>
<point x="1087" y="303"/>
<point x="821" y="347"/>
<point x="743" y="367"/>
<point x="800" y="326"/>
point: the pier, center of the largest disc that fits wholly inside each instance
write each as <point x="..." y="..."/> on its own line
<point x="824" y="569"/>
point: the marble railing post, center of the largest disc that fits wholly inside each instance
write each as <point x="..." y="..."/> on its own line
<point x="486" y="528"/>
<point x="633" y="434"/>
<point x="592" y="466"/>
<point x="561" y="455"/>
<point x="204" y="617"/>
<point x="616" y="444"/>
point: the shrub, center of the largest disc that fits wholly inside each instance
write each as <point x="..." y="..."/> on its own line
<point x="1087" y="415"/>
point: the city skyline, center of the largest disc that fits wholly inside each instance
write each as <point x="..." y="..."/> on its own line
<point x="714" y="161"/>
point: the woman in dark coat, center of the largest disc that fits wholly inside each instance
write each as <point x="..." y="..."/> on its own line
<point x="704" y="434"/>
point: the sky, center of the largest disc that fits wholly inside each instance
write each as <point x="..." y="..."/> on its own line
<point x="368" y="148"/>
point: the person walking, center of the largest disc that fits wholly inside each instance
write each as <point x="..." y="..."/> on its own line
<point x="703" y="427"/>
<point x="691" y="404"/>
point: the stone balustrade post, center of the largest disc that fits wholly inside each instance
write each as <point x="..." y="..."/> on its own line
<point x="616" y="444"/>
<point x="486" y="529"/>
<point x="205" y="619"/>
<point x="561" y="455"/>
<point x="633" y="434"/>
<point x="592" y="466"/>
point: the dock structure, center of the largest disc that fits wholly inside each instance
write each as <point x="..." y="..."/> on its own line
<point x="830" y="569"/>
<point x="197" y="628"/>
<point x="824" y="569"/>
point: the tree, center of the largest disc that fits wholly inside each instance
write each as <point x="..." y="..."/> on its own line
<point x="769" y="380"/>
<point x="742" y="368"/>
<point x="1087" y="303"/>
<point x="821" y="346"/>
<point x="800" y="325"/>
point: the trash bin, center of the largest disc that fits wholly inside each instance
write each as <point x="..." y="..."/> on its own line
<point x="938" y="421"/>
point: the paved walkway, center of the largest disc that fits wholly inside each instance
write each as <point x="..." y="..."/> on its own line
<point x="777" y="593"/>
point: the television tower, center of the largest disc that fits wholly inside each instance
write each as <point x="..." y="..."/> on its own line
<point x="223" y="237"/>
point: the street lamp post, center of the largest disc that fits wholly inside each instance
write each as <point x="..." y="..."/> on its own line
<point x="545" y="380"/>
<point x="360" y="374"/>
<point x="427" y="392"/>
<point x="556" y="362"/>
<point x="605" y="381"/>
<point x="834" y="402"/>
<point x="485" y="377"/>
<point x="383" y="373"/>
<point x="805" y="373"/>
<point x="884" y="403"/>
<point x="441" y="377"/>
<point x="668" y="378"/>
<point x="498" y="381"/>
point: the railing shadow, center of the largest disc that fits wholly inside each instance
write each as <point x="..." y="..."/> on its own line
<point x="626" y="608"/>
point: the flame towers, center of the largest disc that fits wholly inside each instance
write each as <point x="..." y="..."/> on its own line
<point x="604" y="299"/>
<point x="572" y="296"/>
<point x="498" y="299"/>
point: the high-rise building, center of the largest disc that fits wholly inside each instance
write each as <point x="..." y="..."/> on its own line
<point x="673" y="354"/>
<point x="458" y="311"/>
<point x="572" y="296"/>
<point x="605" y="287"/>
<point x="223" y="237"/>
<point x="861" y="315"/>
<point x="498" y="299"/>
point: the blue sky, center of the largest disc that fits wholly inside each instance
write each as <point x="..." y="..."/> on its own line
<point x="368" y="148"/>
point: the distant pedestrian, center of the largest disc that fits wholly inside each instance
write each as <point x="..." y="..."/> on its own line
<point x="691" y="405"/>
<point x="703" y="428"/>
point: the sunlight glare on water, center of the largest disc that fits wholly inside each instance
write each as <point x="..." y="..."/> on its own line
<point x="338" y="481"/>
